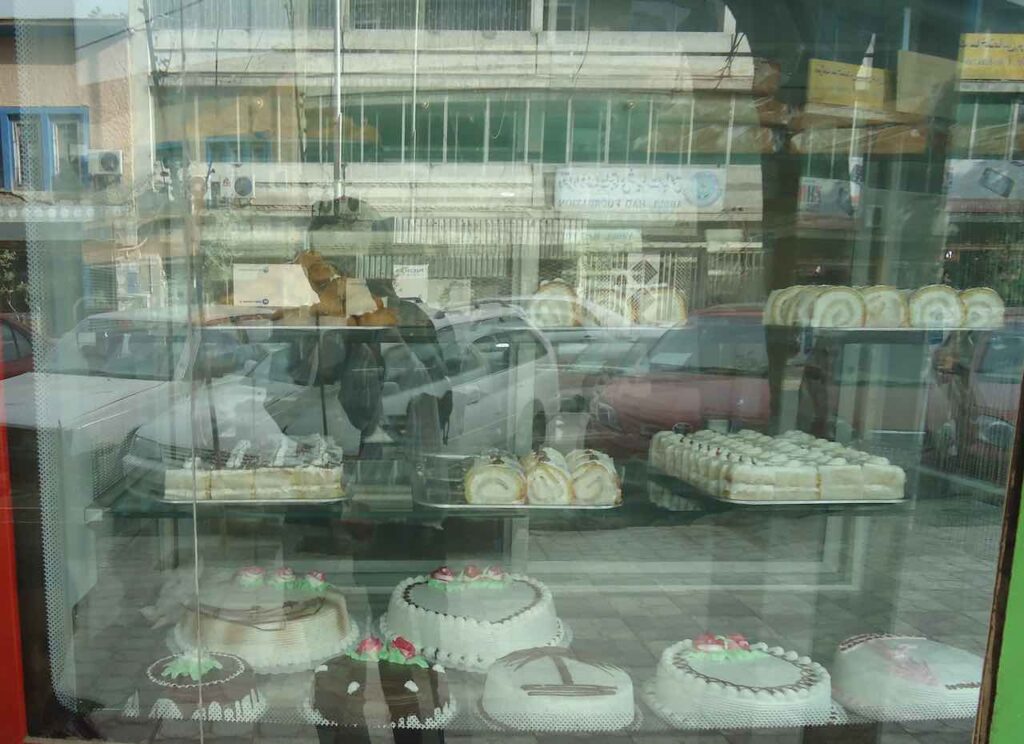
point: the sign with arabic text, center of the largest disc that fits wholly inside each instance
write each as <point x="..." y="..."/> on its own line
<point x="992" y="57"/>
<point x="840" y="84"/>
<point x="640" y="190"/>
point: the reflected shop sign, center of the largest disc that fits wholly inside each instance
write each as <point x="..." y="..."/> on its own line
<point x="997" y="57"/>
<point x="664" y="191"/>
<point x="993" y="186"/>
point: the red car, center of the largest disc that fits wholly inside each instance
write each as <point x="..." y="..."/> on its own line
<point x="711" y="370"/>
<point x="16" y="342"/>
<point x="973" y="406"/>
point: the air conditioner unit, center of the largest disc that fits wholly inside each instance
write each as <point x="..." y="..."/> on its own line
<point x="231" y="181"/>
<point x="106" y="162"/>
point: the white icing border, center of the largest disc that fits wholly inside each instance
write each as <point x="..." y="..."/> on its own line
<point x="838" y="716"/>
<point x="486" y="719"/>
<point x="441" y="718"/>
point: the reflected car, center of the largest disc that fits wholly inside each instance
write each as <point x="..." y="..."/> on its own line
<point x="17" y="346"/>
<point x="102" y="380"/>
<point x="710" y="371"/>
<point x="455" y="382"/>
<point x="591" y="343"/>
<point x="973" y="403"/>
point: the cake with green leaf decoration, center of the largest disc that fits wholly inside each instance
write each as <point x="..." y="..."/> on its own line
<point x="381" y="685"/>
<point x="724" y="681"/>
<point x="174" y="686"/>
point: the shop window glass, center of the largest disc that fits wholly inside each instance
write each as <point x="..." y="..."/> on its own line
<point x="385" y="144"/>
<point x="426" y="141"/>
<point x="466" y="130"/>
<point x="507" y="129"/>
<point x="589" y="133"/>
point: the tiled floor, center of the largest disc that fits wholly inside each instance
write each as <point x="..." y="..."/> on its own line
<point x="627" y="587"/>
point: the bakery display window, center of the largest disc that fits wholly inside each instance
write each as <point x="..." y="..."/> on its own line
<point x="461" y="371"/>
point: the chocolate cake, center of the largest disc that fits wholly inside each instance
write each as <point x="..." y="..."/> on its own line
<point x="378" y="686"/>
<point x="209" y="686"/>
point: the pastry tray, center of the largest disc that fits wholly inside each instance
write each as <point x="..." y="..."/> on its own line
<point x="257" y="502"/>
<point x="683" y="489"/>
<point x="437" y="483"/>
<point x="457" y="503"/>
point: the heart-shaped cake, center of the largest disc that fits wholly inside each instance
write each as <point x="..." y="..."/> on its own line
<point x="470" y="619"/>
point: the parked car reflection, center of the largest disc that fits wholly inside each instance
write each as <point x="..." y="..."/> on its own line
<point x="17" y="345"/>
<point x="712" y="370"/>
<point x="453" y="382"/>
<point x="972" y="408"/>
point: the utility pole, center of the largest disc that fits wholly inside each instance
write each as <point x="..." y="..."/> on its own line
<point x="339" y="187"/>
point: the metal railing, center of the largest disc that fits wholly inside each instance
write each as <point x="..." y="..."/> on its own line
<point x="442" y="15"/>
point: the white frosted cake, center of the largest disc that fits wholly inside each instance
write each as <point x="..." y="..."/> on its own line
<point x="549" y="689"/>
<point x="471" y="619"/>
<point x="726" y="682"/>
<point x="301" y="468"/>
<point x="750" y="466"/>
<point x="893" y="678"/>
<point x="277" y="623"/>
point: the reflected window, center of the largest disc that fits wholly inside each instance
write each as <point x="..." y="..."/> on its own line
<point x="1004" y="358"/>
<point x="466" y="131"/>
<point x="45" y="149"/>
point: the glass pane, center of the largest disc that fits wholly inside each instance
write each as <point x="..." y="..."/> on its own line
<point x="588" y="130"/>
<point x="509" y="370"/>
<point x="507" y="129"/>
<point x="466" y="130"/>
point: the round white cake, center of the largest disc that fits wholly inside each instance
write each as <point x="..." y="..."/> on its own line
<point x="891" y="678"/>
<point x="549" y="689"/>
<point x="726" y="682"/>
<point x="471" y="619"/>
<point x="279" y="624"/>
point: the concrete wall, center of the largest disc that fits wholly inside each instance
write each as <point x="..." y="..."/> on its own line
<point x="40" y="66"/>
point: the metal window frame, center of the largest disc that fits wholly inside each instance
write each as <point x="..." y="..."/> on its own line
<point x="46" y="115"/>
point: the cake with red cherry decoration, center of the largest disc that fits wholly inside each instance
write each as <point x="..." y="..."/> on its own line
<point x="380" y="685"/>
<point x="471" y="618"/>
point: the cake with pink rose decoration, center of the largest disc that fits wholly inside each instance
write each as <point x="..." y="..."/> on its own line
<point x="724" y="681"/>
<point x="380" y="684"/>
<point x="277" y="620"/>
<point x="470" y="618"/>
<point x="901" y="678"/>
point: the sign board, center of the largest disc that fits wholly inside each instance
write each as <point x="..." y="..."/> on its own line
<point x="616" y="190"/>
<point x="841" y="84"/>
<point x="272" y="285"/>
<point x="992" y="57"/>
<point x="411" y="280"/>
<point x="826" y="203"/>
<point x="925" y="84"/>
<point x="992" y="186"/>
<point x="596" y="238"/>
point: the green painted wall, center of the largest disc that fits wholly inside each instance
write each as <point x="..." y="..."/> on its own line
<point x="1008" y="715"/>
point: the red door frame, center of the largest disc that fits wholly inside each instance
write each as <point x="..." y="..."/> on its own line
<point x="13" y="721"/>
